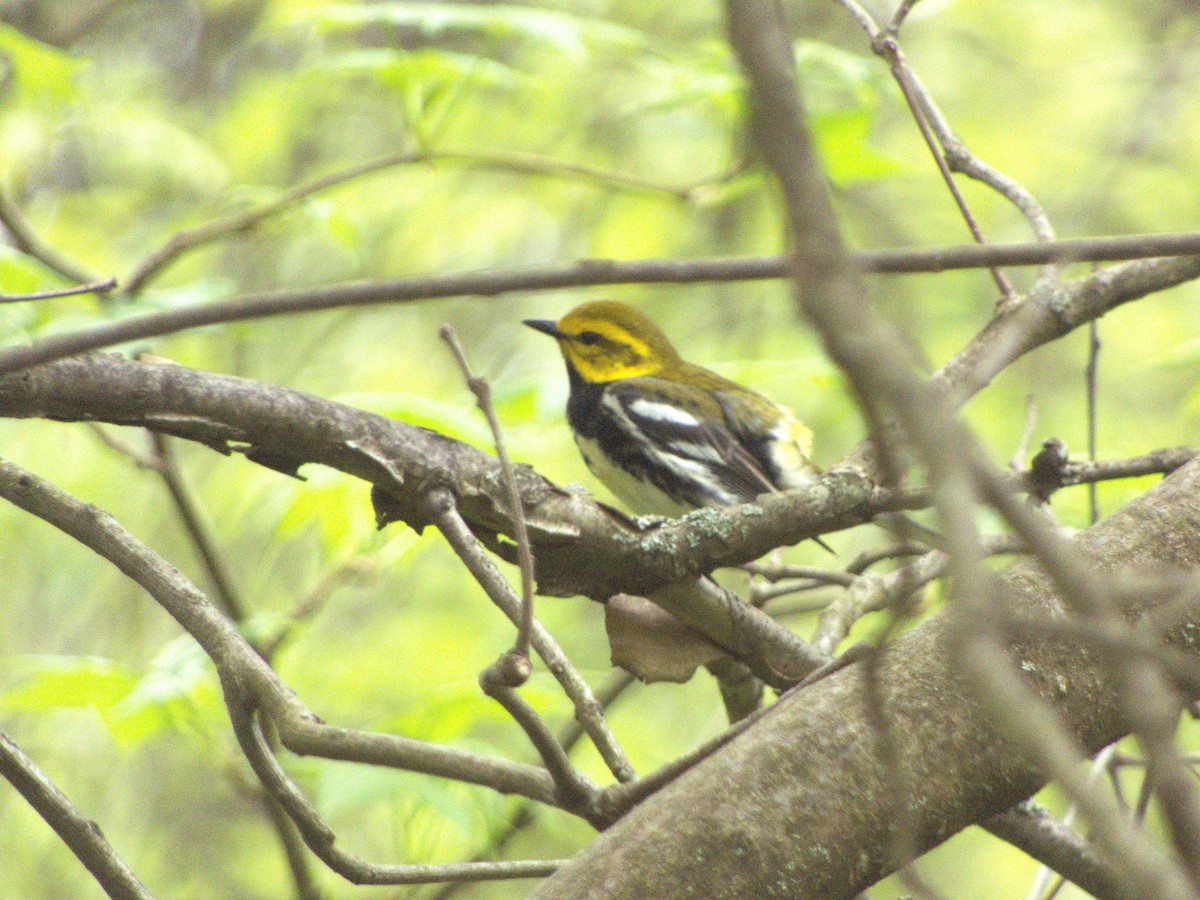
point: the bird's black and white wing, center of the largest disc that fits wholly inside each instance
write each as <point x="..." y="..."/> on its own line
<point x="663" y="450"/>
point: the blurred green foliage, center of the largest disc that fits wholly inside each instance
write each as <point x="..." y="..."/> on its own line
<point x="124" y="121"/>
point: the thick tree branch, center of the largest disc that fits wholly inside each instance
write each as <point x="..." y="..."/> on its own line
<point x="580" y="546"/>
<point x="810" y="767"/>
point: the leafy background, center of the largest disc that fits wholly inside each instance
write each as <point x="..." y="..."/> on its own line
<point x="122" y="123"/>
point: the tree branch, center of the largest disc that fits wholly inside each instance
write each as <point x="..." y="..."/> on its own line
<point x="580" y="546"/>
<point x="582" y="274"/>
<point x="25" y="239"/>
<point x="77" y="832"/>
<point x="810" y="765"/>
<point x="299" y="729"/>
<point x="521" y="163"/>
<point x="95" y="287"/>
<point x="321" y="840"/>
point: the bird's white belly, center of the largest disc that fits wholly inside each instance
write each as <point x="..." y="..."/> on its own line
<point x="639" y="497"/>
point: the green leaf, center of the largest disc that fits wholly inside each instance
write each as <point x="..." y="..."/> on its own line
<point x="400" y="68"/>
<point x="572" y="36"/>
<point x="846" y="154"/>
<point x="44" y="75"/>
<point x="179" y="692"/>
<point x="56" y="682"/>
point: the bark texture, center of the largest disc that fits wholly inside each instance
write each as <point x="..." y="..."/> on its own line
<point x="803" y="805"/>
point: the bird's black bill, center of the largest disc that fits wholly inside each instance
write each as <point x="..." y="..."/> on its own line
<point x="545" y="326"/>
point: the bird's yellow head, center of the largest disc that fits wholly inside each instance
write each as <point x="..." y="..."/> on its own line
<point x="606" y="340"/>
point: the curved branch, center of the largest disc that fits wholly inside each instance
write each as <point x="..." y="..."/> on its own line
<point x="235" y="659"/>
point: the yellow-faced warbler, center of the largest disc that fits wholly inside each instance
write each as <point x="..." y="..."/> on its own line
<point x="664" y="435"/>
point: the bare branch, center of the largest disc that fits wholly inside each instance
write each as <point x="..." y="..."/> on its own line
<point x="446" y="516"/>
<point x="522" y="163"/>
<point x="591" y="273"/>
<point x="1058" y="847"/>
<point x="1052" y="470"/>
<point x="95" y="287"/>
<point x="299" y="729"/>
<point x="1019" y="328"/>
<point x="320" y="838"/>
<point x="512" y="669"/>
<point x="570" y="735"/>
<point x="773" y="653"/>
<point x="25" y="239"/>
<point x="888" y="47"/>
<point x="498" y="682"/>
<point x="900" y="15"/>
<point x="949" y="152"/>
<point x="211" y="555"/>
<point x="77" y="832"/>
<point x="483" y="397"/>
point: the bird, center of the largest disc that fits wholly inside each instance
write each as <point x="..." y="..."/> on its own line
<point x="667" y="436"/>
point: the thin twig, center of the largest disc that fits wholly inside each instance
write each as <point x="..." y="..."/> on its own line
<point x="25" y="239"/>
<point x="869" y="592"/>
<point x="901" y="71"/>
<point x="950" y="152"/>
<point x="900" y="15"/>
<point x="581" y="274"/>
<point x="773" y="571"/>
<point x="521" y="163"/>
<point x="95" y="287"/>
<point x="522" y="816"/>
<point x="292" y="845"/>
<point x="483" y="397"/>
<point x="587" y="710"/>
<point x="211" y="555"/>
<point x="868" y="558"/>
<point x="499" y="682"/>
<point x="1052" y="469"/>
<point x="1089" y="377"/>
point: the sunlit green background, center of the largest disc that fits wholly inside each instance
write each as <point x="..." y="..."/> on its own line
<point x="122" y="123"/>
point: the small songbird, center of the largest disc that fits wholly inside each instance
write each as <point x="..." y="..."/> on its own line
<point x="664" y="435"/>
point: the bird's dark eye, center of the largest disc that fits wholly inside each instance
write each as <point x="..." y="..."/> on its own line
<point x="589" y="337"/>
